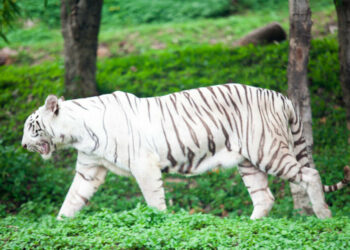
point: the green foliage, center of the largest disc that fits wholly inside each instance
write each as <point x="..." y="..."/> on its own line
<point x="24" y="90"/>
<point x="143" y="11"/>
<point x="47" y="11"/>
<point x="125" y="12"/>
<point x="171" y="71"/>
<point x="25" y="177"/>
<point x="145" y="228"/>
<point x="45" y="40"/>
<point x="29" y="185"/>
<point x="147" y="37"/>
<point x="8" y="12"/>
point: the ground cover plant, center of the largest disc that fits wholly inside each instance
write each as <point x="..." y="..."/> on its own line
<point x="144" y="227"/>
<point x="207" y="211"/>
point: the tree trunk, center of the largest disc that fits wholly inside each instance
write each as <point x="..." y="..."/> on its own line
<point x="298" y="90"/>
<point x="343" y="12"/>
<point x="80" y="20"/>
<point x="270" y="33"/>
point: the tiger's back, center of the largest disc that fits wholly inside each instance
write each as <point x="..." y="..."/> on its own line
<point x="196" y="130"/>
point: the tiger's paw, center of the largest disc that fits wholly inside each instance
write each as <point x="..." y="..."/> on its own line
<point x="261" y="211"/>
<point x="323" y="212"/>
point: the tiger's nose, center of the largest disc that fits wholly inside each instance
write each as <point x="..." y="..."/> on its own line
<point x="24" y="146"/>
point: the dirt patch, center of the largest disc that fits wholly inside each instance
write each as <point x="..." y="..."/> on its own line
<point x="7" y="56"/>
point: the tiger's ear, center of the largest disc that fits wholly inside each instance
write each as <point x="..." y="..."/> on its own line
<point x="51" y="104"/>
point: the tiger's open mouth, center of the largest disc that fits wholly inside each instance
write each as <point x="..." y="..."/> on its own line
<point x="43" y="148"/>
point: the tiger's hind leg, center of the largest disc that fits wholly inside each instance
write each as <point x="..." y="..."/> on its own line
<point x="301" y="199"/>
<point x="257" y="184"/>
<point x="288" y="168"/>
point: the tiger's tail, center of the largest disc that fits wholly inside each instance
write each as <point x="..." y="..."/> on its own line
<point x="301" y="150"/>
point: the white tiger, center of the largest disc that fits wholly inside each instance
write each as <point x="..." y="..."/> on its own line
<point x="188" y="132"/>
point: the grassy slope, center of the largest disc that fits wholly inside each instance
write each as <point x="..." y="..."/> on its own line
<point x="42" y="43"/>
<point x="40" y="40"/>
<point x="35" y="189"/>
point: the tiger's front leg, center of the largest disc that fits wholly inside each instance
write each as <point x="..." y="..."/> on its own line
<point x="86" y="181"/>
<point x="149" y="178"/>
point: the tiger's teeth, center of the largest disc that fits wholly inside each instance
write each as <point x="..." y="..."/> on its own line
<point x="45" y="147"/>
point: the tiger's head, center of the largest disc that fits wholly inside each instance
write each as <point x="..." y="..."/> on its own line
<point x="38" y="134"/>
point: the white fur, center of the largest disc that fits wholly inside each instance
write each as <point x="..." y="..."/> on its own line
<point x="141" y="136"/>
